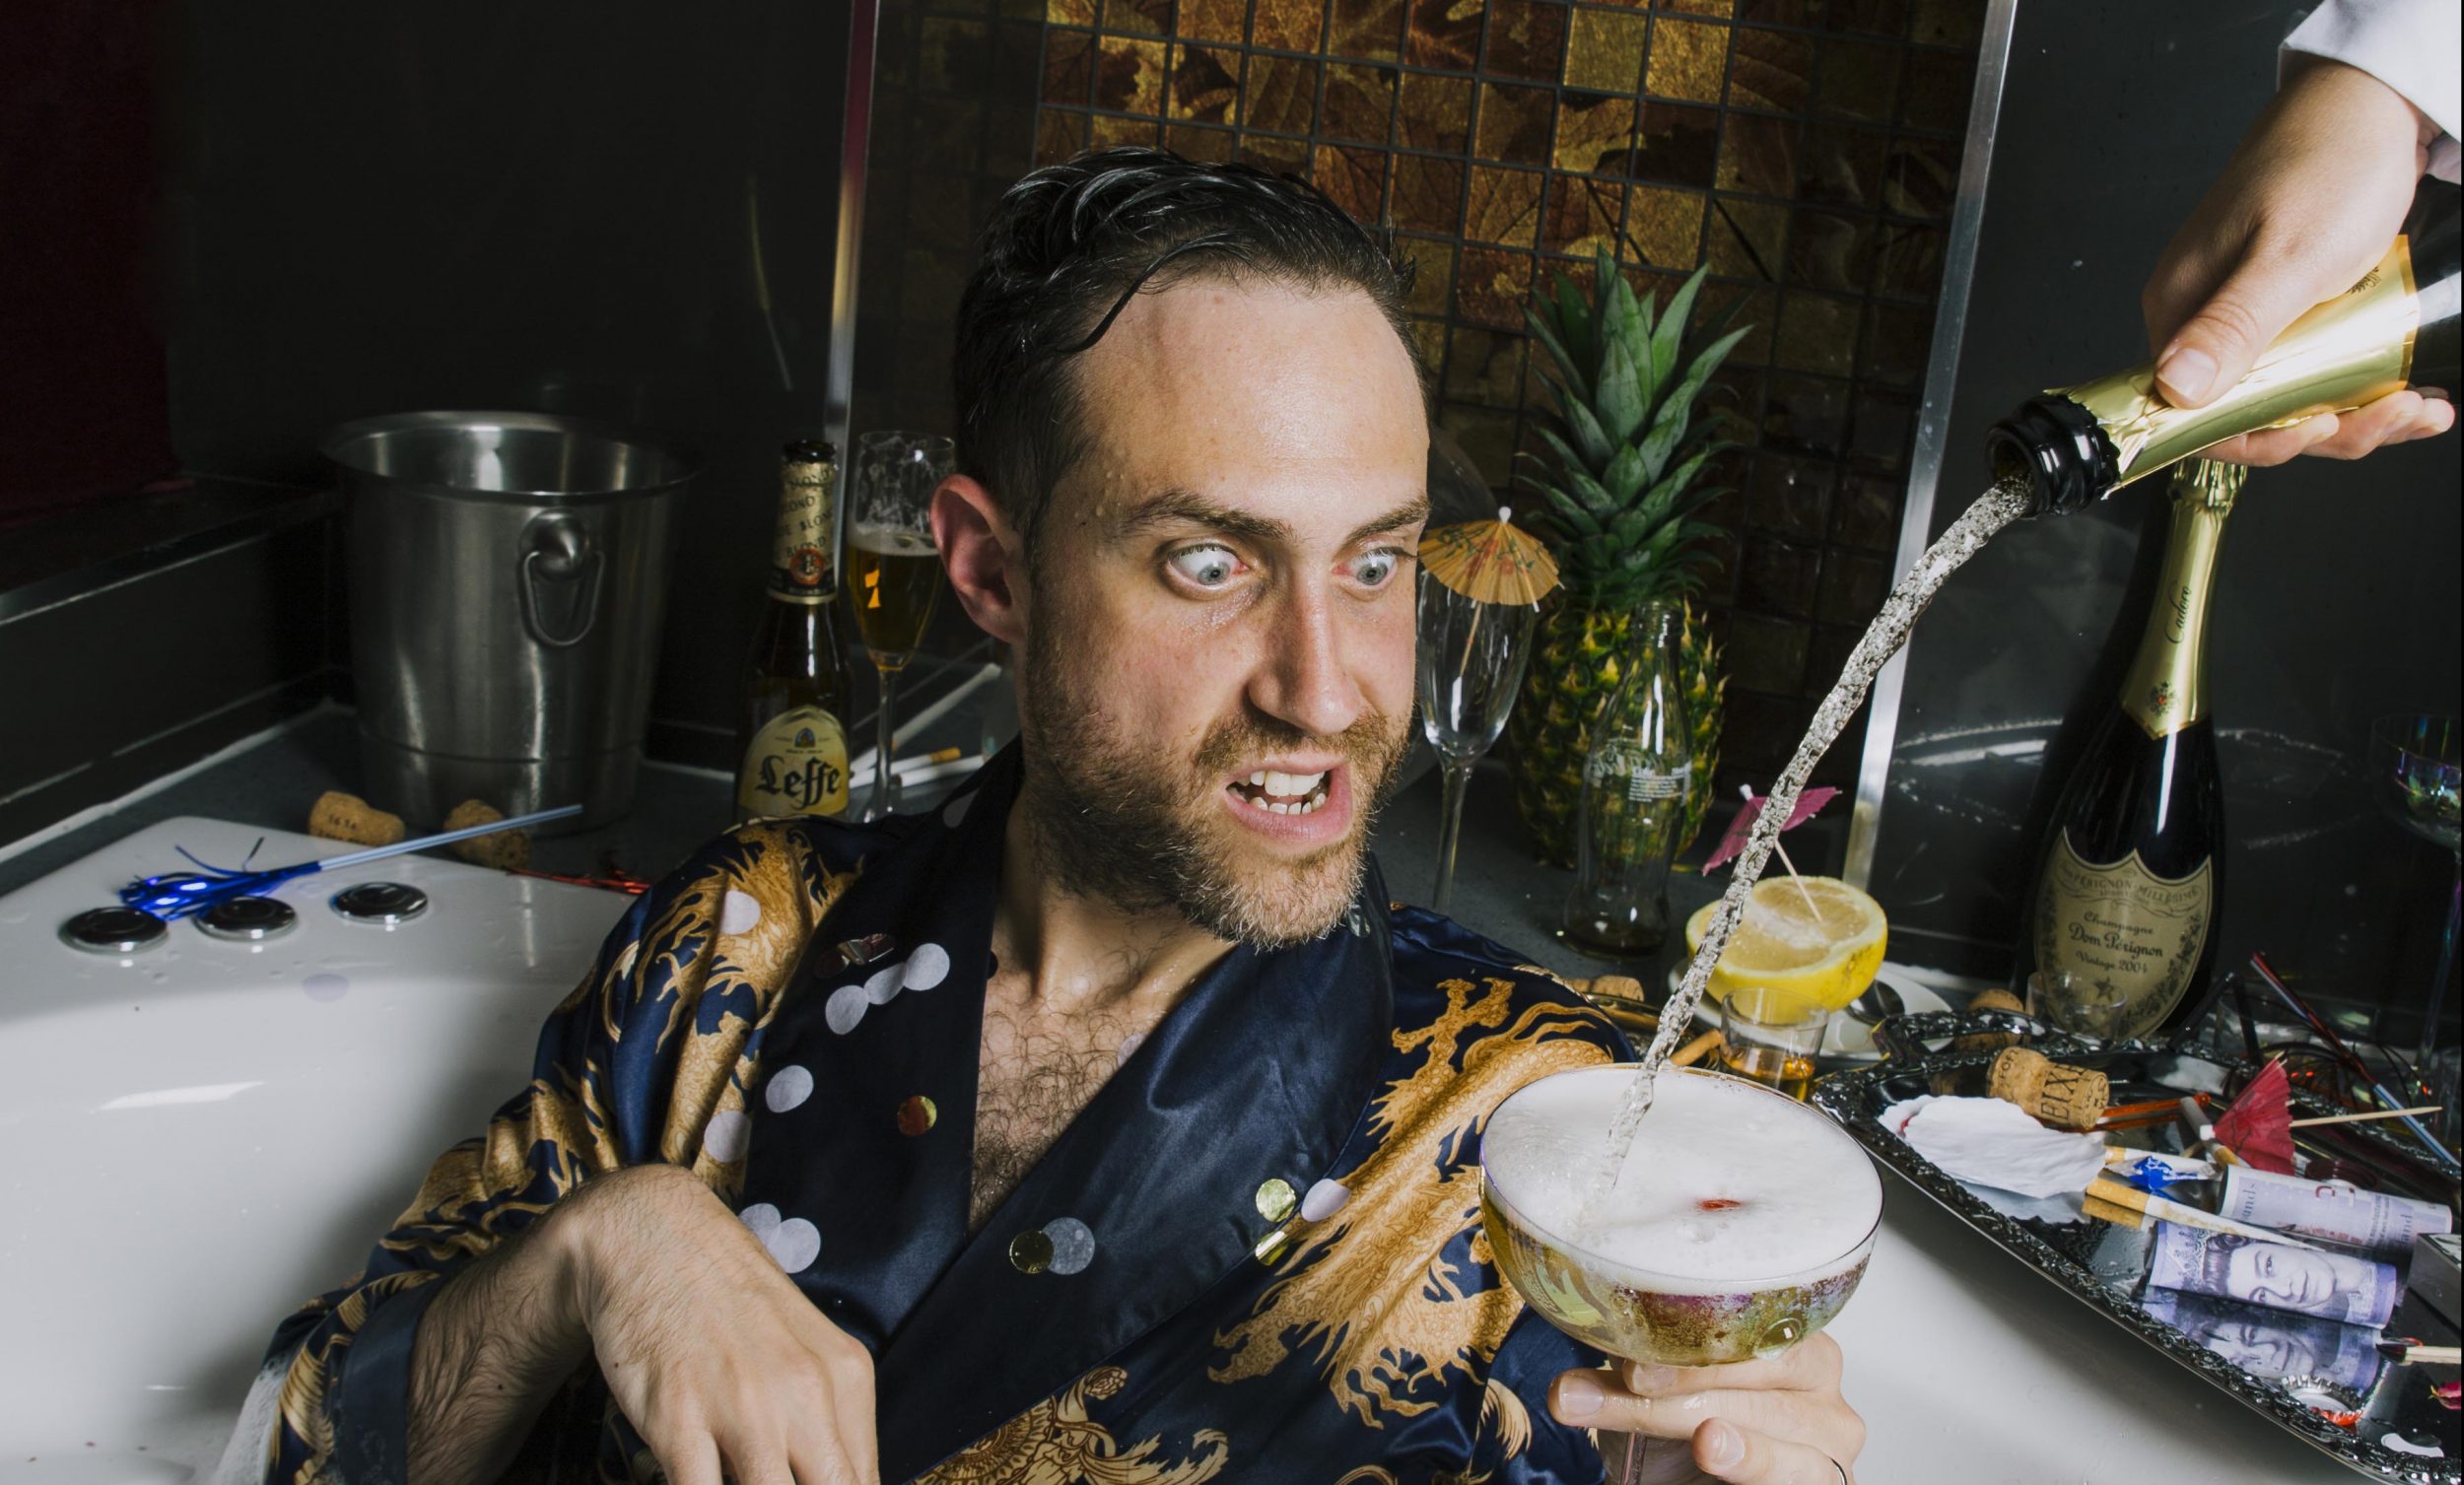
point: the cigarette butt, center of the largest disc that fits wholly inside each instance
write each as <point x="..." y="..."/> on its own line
<point x="2106" y="1211"/>
<point x="1694" y="1050"/>
<point x="338" y="816"/>
<point x="506" y="850"/>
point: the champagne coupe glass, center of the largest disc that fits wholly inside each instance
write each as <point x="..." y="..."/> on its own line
<point x="1472" y="659"/>
<point x="893" y="572"/>
<point x="1741" y="1225"/>
<point x="2413" y="773"/>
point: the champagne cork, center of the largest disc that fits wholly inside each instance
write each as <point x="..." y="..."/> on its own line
<point x="506" y="850"/>
<point x="2066" y="1097"/>
<point x="1614" y="986"/>
<point x="1949" y="1084"/>
<point x="337" y="816"/>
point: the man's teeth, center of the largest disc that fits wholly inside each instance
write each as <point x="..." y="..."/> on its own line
<point x="1284" y="793"/>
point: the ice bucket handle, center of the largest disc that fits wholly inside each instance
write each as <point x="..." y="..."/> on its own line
<point x="557" y="548"/>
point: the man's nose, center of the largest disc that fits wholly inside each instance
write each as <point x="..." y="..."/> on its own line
<point x="1304" y="681"/>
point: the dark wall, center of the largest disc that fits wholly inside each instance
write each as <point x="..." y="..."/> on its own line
<point x="2336" y="596"/>
<point x="620" y="210"/>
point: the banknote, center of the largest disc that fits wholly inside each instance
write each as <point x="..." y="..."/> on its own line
<point x="2274" y="1344"/>
<point x="2273" y="1275"/>
<point x="2329" y="1209"/>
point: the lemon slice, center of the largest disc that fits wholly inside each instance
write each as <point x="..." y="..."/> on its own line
<point x="1825" y="953"/>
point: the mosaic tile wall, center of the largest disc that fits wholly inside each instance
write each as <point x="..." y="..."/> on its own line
<point x="1806" y="150"/>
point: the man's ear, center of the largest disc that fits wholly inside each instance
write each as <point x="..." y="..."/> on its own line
<point x="983" y="557"/>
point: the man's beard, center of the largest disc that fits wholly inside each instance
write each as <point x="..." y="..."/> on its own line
<point x="1123" y="822"/>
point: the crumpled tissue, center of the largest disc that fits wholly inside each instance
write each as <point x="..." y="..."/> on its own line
<point x="1995" y="1143"/>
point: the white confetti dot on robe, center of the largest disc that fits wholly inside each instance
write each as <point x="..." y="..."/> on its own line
<point x="927" y="966"/>
<point x="789" y="1085"/>
<point x="725" y="1137"/>
<point x="795" y="1245"/>
<point x="738" y="912"/>
<point x="1073" y="1245"/>
<point x="794" y="1241"/>
<point x="1324" y="1201"/>
<point x="844" y="1008"/>
<point x="881" y="986"/>
<point x="956" y="809"/>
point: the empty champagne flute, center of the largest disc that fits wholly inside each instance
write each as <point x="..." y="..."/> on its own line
<point x="1480" y="587"/>
<point x="1472" y="660"/>
<point x="893" y="570"/>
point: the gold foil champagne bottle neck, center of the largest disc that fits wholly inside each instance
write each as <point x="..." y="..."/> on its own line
<point x="2395" y="328"/>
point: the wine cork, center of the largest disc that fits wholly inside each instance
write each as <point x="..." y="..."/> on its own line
<point x="1951" y="1084"/>
<point x="337" y="816"/>
<point x="2066" y="1098"/>
<point x="506" y="850"/>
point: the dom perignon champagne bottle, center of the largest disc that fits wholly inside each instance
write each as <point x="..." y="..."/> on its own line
<point x="2131" y="874"/>
<point x="795" y="734"/>
<point x="2397" y="327"/>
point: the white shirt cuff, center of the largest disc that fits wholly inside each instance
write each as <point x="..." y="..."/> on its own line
<point x="2414" y="47"/>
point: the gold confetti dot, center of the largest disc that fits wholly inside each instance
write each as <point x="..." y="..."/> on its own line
<point x="1277" y="1199"/>
<point x="917" y="1115"/>
<point x="1030" y="1251"/>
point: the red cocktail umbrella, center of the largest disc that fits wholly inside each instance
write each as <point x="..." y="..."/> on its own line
<point x="1809" y="804"/>
<point x="2258" y="1127"/>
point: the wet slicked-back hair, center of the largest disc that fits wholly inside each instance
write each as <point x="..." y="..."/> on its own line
<point x="1067" y="249"/>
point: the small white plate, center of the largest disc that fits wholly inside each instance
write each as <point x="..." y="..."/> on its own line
<point x="1846" y="1040"/>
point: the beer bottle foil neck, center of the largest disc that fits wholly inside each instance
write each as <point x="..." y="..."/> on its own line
<point x="2070" y="462"/>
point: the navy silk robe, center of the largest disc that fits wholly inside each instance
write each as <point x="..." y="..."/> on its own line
<point x="1256" y="1256"/>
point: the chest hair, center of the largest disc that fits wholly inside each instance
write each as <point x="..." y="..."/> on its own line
<point x="1035" y="1072"/>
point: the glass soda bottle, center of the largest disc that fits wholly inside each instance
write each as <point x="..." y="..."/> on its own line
<point x="1635" y="775"/>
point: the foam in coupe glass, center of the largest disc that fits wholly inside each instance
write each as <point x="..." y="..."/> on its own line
<point x="1738" y="1225"/>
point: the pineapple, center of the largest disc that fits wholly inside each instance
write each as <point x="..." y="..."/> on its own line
<point x="1618" y="481"/>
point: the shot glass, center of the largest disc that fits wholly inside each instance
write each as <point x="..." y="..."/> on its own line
<point x="1771" y="1037"/>
<point x="2076" y="1004"/>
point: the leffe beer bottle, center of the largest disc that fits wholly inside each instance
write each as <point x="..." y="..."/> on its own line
<point x="794" y="741"/>
<point x="2396" y="327"/>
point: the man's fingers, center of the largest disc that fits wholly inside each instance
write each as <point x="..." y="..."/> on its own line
<point x="1813" y="1365"/>
<point x="1744" y="1457"/>
<point x="2398" y="418"/>
<point x="1675" y="1415"/>
<point x="688" y="1458"/>
<point x="2215" y="347"/>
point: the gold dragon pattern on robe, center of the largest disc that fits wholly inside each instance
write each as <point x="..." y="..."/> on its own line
<point x="1056" y="1443"/>
<point x="1369" y="1290"/>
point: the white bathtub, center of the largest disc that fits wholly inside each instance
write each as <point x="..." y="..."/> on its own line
<point x="202" y="1134"/>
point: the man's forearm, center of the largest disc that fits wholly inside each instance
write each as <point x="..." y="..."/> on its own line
<point x="501" y="1337"/>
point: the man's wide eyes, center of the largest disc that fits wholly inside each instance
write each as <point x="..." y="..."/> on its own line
<point x="1207" y="567"/>
<point x="1214" y="567"/>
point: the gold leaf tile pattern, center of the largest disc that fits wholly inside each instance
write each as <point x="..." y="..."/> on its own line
<point x="1605" y="51"/>
<point x="1205" y="82"/>
<point x="1688" y="61"/>
<point x="1806" y="151"/>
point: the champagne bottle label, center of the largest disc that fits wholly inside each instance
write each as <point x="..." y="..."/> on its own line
<point x="802" y="567"/>
<point x="2124" y="926"/>
<point x="797" y="765"/>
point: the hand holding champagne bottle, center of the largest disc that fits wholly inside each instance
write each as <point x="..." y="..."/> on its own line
<point x="2306" y="206"/>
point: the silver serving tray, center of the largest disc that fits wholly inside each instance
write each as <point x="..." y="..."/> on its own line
<point x="2101" y="1265"/>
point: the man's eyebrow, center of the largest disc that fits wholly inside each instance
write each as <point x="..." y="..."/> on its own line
<point x="1187" y="508"/>
<point x="1413" y="512"/>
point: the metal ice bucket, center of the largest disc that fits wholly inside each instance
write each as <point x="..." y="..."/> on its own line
<point x="507" y="571"/>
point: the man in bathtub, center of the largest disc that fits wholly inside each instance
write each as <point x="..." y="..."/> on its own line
<point x="1107" y="1123"/>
